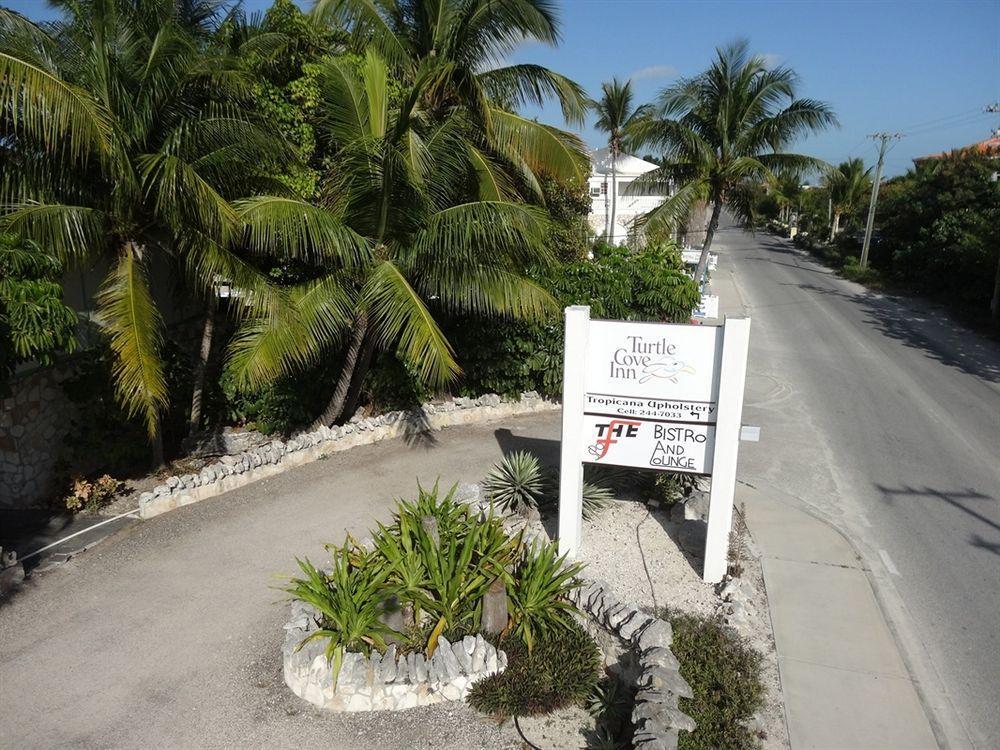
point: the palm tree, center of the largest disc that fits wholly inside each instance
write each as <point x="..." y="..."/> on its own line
<point x="125" y="139"/>
<point x="394" y="185"/>
<point x="849" y="183"/>
<point x="401" y="180"/>
<point x="615" y="116"/>
<point x="787" y="190"/>
<point x="723" y="130"/>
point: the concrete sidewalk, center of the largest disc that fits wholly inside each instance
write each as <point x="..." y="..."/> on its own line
<point x="844" y="681"/>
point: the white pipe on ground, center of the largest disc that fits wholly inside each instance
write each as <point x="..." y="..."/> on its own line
<point x="77" y="533"/>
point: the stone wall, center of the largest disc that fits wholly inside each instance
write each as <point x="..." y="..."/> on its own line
<point x="33" y="423"/>
<point x="657" y="718"/>
<point x="276" y="456"/>
<point x="382" y="682"/>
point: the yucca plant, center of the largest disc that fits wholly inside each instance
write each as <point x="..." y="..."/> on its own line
<point x="350" y="599"/>
<point x="538" y="592"/>
<point x="517" y="482"/>
<point x="596" y="497"/>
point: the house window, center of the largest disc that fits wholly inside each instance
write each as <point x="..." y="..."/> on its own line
<point x="604" y="188"/>
<point x="595" y="192"/>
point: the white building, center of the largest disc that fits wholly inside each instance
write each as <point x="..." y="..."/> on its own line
<point x="628" y="206"/>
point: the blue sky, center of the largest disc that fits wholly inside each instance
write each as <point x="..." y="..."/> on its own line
<point x="924" y="68"/>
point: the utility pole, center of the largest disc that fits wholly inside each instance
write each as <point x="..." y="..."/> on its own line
<point x="883" y="139"/>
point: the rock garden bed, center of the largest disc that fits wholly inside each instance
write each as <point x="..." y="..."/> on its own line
<point x="464" y="597"/>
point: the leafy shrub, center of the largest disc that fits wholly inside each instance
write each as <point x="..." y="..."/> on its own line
<point x="92" y="495"/>
<point x="852" y="270"/>
<point x="538" y="593"/>
<point x="34" y="322"/>
<point x="350" y="599"/>
<point x="725" y="676"/>
<point x="618" y="284"/>
<point x="517" y="482"/>
<point x="561" y="670"/>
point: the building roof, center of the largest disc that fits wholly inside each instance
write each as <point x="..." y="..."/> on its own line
<point x="989" y="146"/>
<point x="626" y="165"/>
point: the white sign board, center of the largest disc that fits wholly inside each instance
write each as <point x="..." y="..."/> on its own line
<point x="691" y="257"/>
<point x="651" y="395"/>
<point x="660" y="396"/>
<point x="663" y="446"/>
<point x="708" y="307"/>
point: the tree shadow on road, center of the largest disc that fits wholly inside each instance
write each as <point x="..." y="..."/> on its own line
<point x="955" y="499"/>
<point x="952" y="344"/>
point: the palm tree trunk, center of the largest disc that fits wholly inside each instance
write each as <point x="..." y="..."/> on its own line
<point x="336" y="405"/>
<point x="358" y="379"/>
<point x="835" y="227"/>
<point x="614" y="196"/>
<point x="158" y="459"/>
<point x="713" y="224"/>
<point x="207" y="332"/>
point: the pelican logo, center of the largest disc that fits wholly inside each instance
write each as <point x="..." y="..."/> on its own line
<point x="667" y="368"/>
<point x="643" y="360"/>
<point x="609" y="434"/>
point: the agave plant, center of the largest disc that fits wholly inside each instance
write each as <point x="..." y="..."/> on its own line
<point x="596" y="497"/>
<point x="350" y="600"/>
<point x="538" y="593"/>
<point x="517" y="482"/>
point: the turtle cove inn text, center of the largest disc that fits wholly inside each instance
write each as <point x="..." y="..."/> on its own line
<point x="641" y="359"/>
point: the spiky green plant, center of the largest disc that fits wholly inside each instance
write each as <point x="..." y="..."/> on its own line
<point x="596" y="497"/>
<point x="517" y="482"/>
<point x="350" y="599"/>
<point x="442" y="560"/>
<point x="538" y="593"/>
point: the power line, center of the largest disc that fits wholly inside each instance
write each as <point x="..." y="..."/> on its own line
<point x="964" y="113"/>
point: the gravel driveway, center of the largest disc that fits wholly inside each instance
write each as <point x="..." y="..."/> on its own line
<point x="169" y="634"/>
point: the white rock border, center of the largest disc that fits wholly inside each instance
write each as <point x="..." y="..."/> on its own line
<point x="657" y="718"/>
<point x="239" y="470"/>
<point x="382" y="682"/>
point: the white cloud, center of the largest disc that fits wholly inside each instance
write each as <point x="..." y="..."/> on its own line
<point x="654" y="71"/>
<point x="772" y="60"/>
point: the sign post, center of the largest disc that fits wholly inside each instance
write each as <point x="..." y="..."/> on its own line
<point x="659" y="396"/>
<point x="571" y="468"/>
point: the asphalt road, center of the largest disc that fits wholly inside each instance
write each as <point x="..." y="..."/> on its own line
<point x="884" y="416"/>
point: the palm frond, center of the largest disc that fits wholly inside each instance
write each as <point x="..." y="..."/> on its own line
<point x="297" y="229"/>
<point x="545" y="149"/>
<point x="71" y="232"/>
<point x="63" y="119"/>
<point x="401" y="318"/>
<point x="521" y="84"/>
<point x="301" y="325"/>
<point x="128" y="314"/>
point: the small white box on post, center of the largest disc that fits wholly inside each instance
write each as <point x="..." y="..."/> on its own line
<point x="571" y="467"/>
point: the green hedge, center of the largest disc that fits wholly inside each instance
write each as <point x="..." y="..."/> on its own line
<point x="508" y="357"/>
